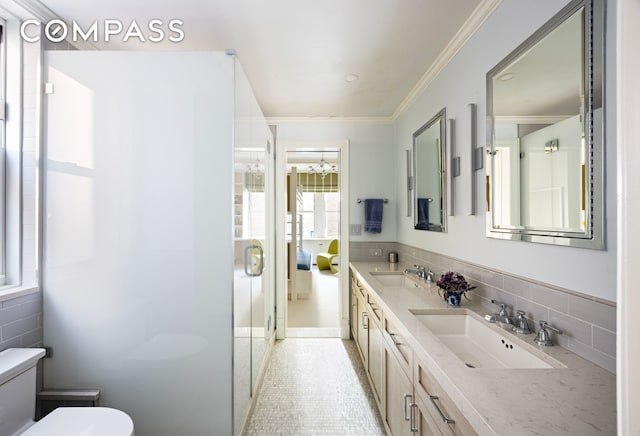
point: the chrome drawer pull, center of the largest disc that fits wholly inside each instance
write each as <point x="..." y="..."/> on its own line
<point x="393" y="339"/>
<point x="414" y="426"/>
<point x="406" y="416"/>
<point x="433" y="399"/>
<point x="365" y="325"/>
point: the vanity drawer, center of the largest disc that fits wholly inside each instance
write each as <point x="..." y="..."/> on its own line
<point x="357" y="286"/>
<point x="398" y="345"/>
<point x="442" y="410"/>
<point x="361" y="289"/>
<point x="375" y="309"/>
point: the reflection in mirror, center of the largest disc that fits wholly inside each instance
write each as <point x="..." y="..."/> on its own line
<point x="428" y="169"/>
<point x="544" y="105"/>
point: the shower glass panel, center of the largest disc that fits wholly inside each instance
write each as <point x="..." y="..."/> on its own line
<point x="137" y="248"/>
<point x="253" y="291"/>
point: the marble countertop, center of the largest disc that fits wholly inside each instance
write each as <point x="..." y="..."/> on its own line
<point x="579" y="399"/>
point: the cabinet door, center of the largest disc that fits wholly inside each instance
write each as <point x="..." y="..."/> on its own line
<point x="376" y="355"/>
<point x="428" y="425"/>
<point x="363" y="330"/>
<point x="398" y="395"/>
<point x="354" y="314"/>
<point x="354" y="306"/>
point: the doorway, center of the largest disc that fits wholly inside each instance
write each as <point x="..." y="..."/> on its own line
<point x="312" y="189"/>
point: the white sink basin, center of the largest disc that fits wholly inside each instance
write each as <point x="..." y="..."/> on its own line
<point x="479" y="345"/>
<point x="390" y="278"/>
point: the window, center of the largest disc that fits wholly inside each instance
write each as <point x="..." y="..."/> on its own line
<point x="321" y="214"/>
<point x="3" y="69"/>
<point x="19" y="91"/>
<point x="332" y="214"/>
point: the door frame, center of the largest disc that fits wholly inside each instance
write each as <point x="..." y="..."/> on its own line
<point x="628" y="211"/>
<point x="282" y="147"/>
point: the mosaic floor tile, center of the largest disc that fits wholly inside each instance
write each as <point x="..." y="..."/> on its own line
<point x="315" y="387"/>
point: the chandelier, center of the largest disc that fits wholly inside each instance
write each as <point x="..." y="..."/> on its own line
<point x="255" y="169"/>
<point x="322" y="168"/>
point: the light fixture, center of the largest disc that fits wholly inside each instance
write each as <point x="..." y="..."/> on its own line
<point x="505" y="77"/>
<point x="255" y="169"/>
<point x="323" y="168"/>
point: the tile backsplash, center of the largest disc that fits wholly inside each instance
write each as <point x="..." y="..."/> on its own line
<point x="21" y="321"/>
<point x="588" y="323"/>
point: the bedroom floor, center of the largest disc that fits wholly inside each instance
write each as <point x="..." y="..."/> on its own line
<point x="315" y="387"/>
<point x="322" y="309"/>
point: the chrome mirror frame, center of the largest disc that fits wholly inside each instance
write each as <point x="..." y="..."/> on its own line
<point x="441" y="118"/>
<point x="594" y="132"/>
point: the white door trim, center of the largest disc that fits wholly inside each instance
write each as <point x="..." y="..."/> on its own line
<point x="628" y="160"/>
<point x="341" y="146"/>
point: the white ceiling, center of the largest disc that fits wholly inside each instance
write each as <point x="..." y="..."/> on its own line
<point x="297" y="53"/>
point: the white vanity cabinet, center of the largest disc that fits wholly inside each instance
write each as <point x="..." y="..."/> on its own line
<point x="360" y="322"/>
<point x="354" y="307"/>
<point x="366" y="326"/>
<point x="415" y="402"/>
<point x="376" y="349"/>
<point x="399" y="414"/>
<point x="422" y="387"/>
<point x="399" y="410"/>
<point x="411" y="402"/>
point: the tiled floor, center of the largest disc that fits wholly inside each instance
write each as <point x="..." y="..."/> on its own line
<point x="315" y="387"/>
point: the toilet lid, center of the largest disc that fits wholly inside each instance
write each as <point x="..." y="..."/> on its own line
<point x="85" y="421"/>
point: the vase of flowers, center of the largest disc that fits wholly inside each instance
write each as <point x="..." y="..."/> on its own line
<point x="453" y="286"/>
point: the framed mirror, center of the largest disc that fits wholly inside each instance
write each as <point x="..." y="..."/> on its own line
<point x="545" y="134"/>
<point x="429" y="157"/>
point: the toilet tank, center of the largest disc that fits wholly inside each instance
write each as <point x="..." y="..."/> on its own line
<point x="18" y="388"/>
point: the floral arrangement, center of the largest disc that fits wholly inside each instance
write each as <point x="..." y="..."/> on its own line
<point x="454" y="285"/>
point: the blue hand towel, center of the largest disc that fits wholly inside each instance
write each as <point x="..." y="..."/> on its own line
<point x="373" y="215"/>
<point x="423" y="214"/>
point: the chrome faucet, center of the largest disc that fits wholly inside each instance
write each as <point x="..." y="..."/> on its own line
<point x="501" y="316"/>
<point x="420" y="271"/>
<point x="543" y="337"/>
<point x="522" y="325"/>
<point x="431" y="276"/>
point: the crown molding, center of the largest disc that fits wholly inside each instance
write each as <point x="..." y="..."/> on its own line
<point x="36" y="9"/>
<point x="42" y="13"/>
<point x="329" y="120"/>
<point x="468" y="29"/>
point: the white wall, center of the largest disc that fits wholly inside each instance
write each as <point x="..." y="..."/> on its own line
<point x="462" y="82"/>
<point x="371" y="166"/>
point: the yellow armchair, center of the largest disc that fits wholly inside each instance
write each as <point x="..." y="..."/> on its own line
<point x="325" y="259"/>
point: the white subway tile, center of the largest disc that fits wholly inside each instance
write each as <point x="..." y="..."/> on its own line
<point x="596" y="313"/>
<point x="19" y="327"/>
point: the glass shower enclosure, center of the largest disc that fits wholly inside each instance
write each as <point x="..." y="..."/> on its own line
<point x="141" y="259"/>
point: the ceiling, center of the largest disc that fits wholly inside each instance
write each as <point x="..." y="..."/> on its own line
<point x="297" y="53"/>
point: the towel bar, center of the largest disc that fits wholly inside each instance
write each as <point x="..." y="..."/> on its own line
<point x="386" y="200"/>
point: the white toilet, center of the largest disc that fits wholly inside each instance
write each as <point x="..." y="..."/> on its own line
<point x="18" y="402"/>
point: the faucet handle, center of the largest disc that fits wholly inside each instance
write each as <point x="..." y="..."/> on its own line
<point x="522" y="326"/>
<point x="543" y="337"/>
<point x="503" y="310"/>
<point x="431" y="276"/>
<point x="422" y="271"/>
<point x="550" y="327"/>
